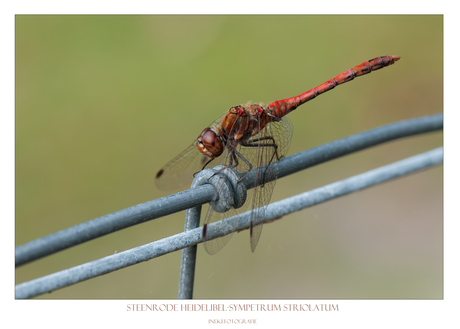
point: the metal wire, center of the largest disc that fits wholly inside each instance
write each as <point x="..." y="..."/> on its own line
<point x="229" y="225"/>
<point x="112" y="222"/>
<point x="200" y="195"/>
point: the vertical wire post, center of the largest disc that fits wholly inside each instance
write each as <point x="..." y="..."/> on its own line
<point x="188" y="261"/>
<point x="222" y="201"/>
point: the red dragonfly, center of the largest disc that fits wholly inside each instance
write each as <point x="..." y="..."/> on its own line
<point x="250" y="136"/>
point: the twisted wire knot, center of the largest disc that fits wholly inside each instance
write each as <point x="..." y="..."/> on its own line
<point x="229" y="193"/>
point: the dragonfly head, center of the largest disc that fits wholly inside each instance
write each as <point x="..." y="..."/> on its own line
<point x="209" y="143"/>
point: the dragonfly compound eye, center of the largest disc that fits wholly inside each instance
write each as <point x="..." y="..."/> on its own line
<point x="209" y="143"/>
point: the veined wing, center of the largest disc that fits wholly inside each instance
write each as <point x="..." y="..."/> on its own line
<point x="179" y="171"/>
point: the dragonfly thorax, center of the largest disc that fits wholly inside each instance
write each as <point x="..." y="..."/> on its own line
<point x="239" y="124"/>
<point x="242" y="122"/>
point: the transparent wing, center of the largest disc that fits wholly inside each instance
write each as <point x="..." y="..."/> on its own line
<point x="179" y="171"/>
<point x="213" y="246"/>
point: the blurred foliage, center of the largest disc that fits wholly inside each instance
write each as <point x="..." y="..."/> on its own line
<point x="102" y="102"/>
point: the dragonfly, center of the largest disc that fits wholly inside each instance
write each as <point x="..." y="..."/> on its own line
<point x="250" y="137"/>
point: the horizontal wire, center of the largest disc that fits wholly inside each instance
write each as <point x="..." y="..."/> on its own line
<point x="229" y="225"/>
<point x="141" y="213"/>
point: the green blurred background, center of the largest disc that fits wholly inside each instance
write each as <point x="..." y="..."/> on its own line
<point x="103" y="102"/>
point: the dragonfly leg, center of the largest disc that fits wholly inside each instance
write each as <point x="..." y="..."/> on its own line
<point x="251" y="143"/>
<point x="236" y="153"/>
<point x="231" y="158"/>
<point x="207" y="163"/>
<point x="203" y="166"/>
